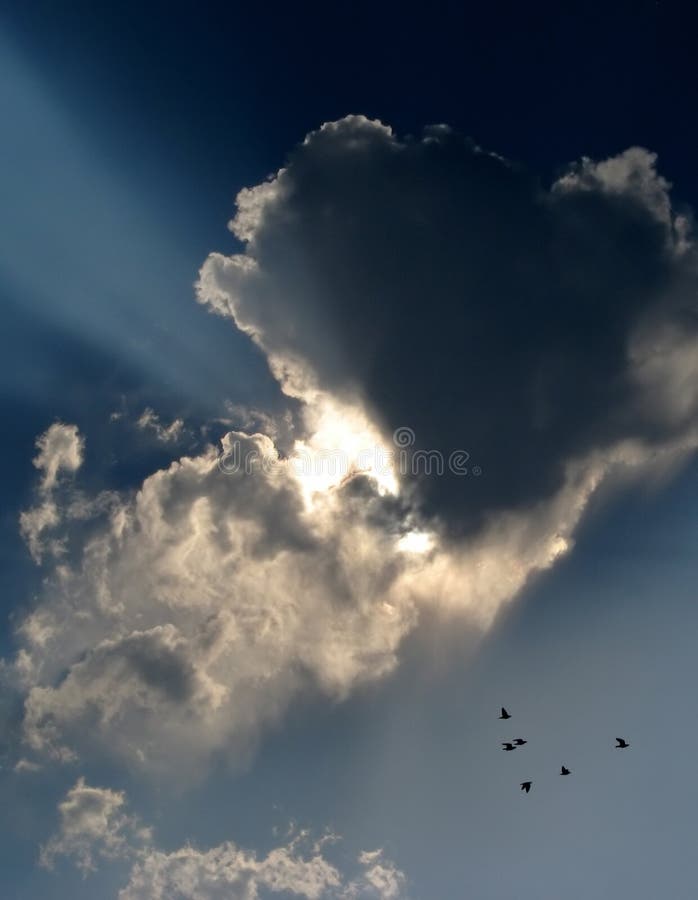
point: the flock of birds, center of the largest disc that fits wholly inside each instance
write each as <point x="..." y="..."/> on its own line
<point x="621" y="744"/>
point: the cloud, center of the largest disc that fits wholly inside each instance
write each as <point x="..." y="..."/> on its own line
<point x="420" y="289"/>
<point x="34" y="523"/>
<point x="442" y="288"/>
<point x="166" y="434"/>
<point x="228" y="872"/>
<point x="199" y="608"/>
<point x="94" y="826"/>
<point x="60" y="449"/>
<point x="381" y="876"/>
<point x="26" y="765"/>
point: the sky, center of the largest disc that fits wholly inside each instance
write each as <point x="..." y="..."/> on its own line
<point x="349" y="367"/>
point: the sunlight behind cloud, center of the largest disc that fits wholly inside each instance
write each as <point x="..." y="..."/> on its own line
<point x="416" y="542"/>
<point x="342" y="442"/>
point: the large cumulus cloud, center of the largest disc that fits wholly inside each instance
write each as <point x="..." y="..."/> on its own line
<point x="421" y="283"/>
<point x="453" y="293"/>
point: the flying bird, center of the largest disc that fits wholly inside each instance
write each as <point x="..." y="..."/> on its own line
<point x="621" y="745"/>
<point x="507" y="745"/>
<point x="564" y="771"/>
<point x="520" y="742"/>
<point x="526" y="786"/>
<point x="505" y="714"/>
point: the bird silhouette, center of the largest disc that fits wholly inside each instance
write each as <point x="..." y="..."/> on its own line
<point x="507" y="745"/>
<point x="505" y="714"/>
<point x="526" y="786"/>
<point x="520" y="742"/>
<point x="564" y="771"/>
<point x="621" y="745"/>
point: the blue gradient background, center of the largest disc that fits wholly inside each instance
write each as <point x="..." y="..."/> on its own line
<point x="127" y="133"/>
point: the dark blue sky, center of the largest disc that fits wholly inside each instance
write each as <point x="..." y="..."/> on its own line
<point x="222" y="92"/>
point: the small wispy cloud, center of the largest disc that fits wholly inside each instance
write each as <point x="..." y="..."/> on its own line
<point x="95" y="827"/>
<point x="167" y="434"/>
